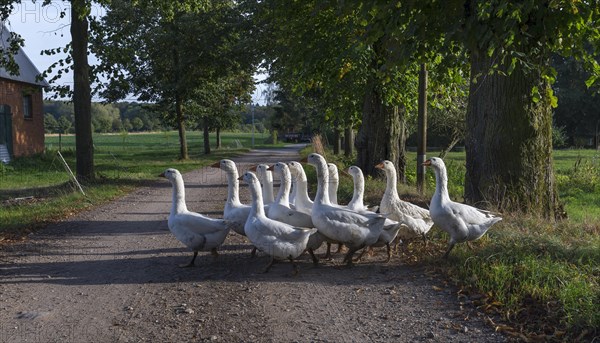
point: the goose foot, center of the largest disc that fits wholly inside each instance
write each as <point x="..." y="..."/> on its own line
<point x="340" y="247"/>
<point x="314" y="258"/>
<point x="348" y="258"/>
<point x="294" y="266"/>
<point x="389" y="252"/>
<point x="191" y="264"/>
<point x="359" y="256"/>
<point x="269" y="265"/>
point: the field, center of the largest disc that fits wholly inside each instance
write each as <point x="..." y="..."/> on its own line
<point x="540" y="277"/>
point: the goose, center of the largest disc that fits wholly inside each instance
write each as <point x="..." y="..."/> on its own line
<point x="265" y="176"/>
<point x="280" y="210"/>
<point x="462" y="222"/>
<point x="279" y="240"/>
<point x="234" y="210"/>
<point x="197" y="232"/>
<point x="353" y="229"/>
<point x="334" y="182"/>
<point x="417" y="219"/>
<point x="302" y="201"/>
<point x="390" y="229"/>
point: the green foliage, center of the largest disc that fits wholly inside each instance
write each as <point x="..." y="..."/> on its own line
<point x="559" y="137"/>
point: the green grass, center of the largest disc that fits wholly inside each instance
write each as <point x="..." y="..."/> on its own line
<point x="543" y="278"/>
<point x="122" y="162"/>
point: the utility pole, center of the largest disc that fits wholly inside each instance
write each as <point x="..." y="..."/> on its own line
<point x="422" y="129"/>
<point x="252" y="110"/>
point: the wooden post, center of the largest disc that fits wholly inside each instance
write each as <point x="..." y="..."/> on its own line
<point x="422" y="129"/>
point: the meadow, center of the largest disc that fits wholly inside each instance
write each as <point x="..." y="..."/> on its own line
<point x="540" y="278"/>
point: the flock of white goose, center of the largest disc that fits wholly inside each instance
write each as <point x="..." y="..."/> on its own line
<point x="287" y="225"/>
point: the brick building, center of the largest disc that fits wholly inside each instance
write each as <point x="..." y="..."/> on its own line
<point x="21" y="108"/>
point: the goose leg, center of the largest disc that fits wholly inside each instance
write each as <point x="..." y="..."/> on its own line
<point x="253" y="253"/>
<point x="450" y="246"/>
<point x="470" y="246"/>
<point x="191" y="264"/>
<point x="314" y="258"/>
<point x="328" y="253"/>
<point x="359" y="256"/>
<point x="389" y="252"/>
<point x="348" y="258"/>
<point x="269" y="265"/>
<point x="339" y="249"/>
<point x="214" y="252"/>
<point x="294" y="266"/>
<point x="425" y="239"/>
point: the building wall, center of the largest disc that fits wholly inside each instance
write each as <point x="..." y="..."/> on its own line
<point x="28" y="134"/>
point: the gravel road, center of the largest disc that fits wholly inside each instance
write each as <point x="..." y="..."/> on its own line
<point x="111" y="275"/>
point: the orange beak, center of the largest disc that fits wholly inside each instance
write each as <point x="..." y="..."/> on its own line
<point x="304" y="160"/>
<point x="241" y="178"/>
<point x="379" y="166"/>
<point x="253" y="168"/>
<point x="427" y="163"/>
<point x="162" y="175"/>
<point x="216" y="165"/>
<point x="271" y="168"/>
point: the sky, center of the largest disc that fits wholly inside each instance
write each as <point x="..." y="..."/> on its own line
<point x="43" y="28"/>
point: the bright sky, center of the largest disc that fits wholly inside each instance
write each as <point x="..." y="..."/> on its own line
<point x="43" y="28"/>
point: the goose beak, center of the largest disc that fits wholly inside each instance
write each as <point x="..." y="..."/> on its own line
<point x="253" y="168"/>
<point x="427" y="163"/>
<point x="161" y="175"/>
<point x="271" y="168"/>
<point x="379" y="166"/>
<point x="241" y="178"/>
<point x="304" y="160"/>
<point x="216" y="165"/>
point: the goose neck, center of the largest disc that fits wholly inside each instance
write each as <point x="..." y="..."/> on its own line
<point x="233" y="188"/>
<point x="178" y="205"/>
<point x="283" y="195"/>
<point x="391" y="189"/>
<point x="441" y="184"/>
<point x="359" y="189"/>
<point x="322" y="196"/>
<point x="258" y="208"/>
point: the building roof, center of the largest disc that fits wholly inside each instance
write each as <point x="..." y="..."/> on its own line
<point x="27" y="70"/>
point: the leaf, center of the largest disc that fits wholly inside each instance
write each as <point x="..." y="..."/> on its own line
<point x="591" y="80"/>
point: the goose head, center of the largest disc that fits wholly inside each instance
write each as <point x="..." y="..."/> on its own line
<point x="171" y="174"/>
<point x="436" y="163"/>
<point x="333" y="172"/>
<point x="386" y="166"/>
<point x="317" y="160"/>
<point x="250" y="178"/>
<point x="226" y="165"/>
<point x="354" y="171"/>
<point x="279" y="168"/>
<point x="296" y="169"/>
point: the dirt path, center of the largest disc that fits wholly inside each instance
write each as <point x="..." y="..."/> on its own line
<point x="110" y="275"/>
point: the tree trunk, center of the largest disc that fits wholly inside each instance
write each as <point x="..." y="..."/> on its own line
<point x="82" y="99"/>
<point x="218" y="146"/>
<point x="183" y="148"/>
<point x="206" y="137"/>
<point x="401" y="167"/>
<point x="379" y="133"/>
<point x="337" y="140"/>
<point x="509" y="142"/>
<point x="348" y="141"/>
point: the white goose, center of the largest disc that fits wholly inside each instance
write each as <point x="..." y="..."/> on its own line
<point x="265" y="176"/>
<point x="302" y="201"/>
<point x="196" y="231"/>
<point x="390" y="229"/>
<point x="279" y="240"/>
<point x="338" y="224"/>
<point x="417" y="219"/>
<point x="234" y="210"/>
<point x="462" y="222"/>
<point x="334" y="182"/>
<point x="280" y="210"/>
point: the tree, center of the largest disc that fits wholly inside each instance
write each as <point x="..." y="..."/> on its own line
<point x="50" y="123"/>
<point x="164" y="52"/>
